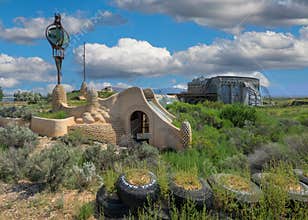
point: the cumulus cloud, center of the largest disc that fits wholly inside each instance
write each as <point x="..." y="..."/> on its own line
<point x="249" y="54"/>
<point x="229" y="15"/>
<point x="16" y="69"/>
<point x="8" y="82"/>
<point x="27" y="30"/>
<point x="98" y="85"/>
<point x="128" y="58"/>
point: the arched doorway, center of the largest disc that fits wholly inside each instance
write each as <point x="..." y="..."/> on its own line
<point x="140" y="128"/>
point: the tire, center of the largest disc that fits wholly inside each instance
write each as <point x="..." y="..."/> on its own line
<point x="201" y="197"/>
<point x="240" y="196"/>
<point x="301" y="176"/>
<point x="294" y="196"/>
<point x="110" y="205"/>
<point x="137" y="196"/>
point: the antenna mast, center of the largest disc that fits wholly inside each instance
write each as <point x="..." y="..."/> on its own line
<point x="84" y="61"/>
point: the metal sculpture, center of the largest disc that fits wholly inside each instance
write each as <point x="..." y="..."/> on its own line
<point x="59" y="40"/>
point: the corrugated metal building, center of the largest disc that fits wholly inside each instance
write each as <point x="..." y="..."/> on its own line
<point x="227" y="89"/>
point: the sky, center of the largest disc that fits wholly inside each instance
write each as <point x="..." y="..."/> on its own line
<point x="156" y="43"/>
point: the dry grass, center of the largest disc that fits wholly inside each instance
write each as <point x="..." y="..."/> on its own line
<point x="60" y="205"/>
<point x="187" y="181"/>
<point x="287" y="183"/>
<point x="236" y="182"/>
<point x="138" y="177"/>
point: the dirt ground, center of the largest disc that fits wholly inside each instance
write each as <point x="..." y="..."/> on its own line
<point x="25" y="201"/>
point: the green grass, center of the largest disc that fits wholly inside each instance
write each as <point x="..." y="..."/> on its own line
<point x="103" y="94"/>
<point x="53" y="115"/>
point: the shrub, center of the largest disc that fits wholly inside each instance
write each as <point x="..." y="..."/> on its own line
<point x="49" y="166"/>
<point x="264" y="155"/>
<point x="1" y="94"/>
<point x="30" y="97"/>
<point x="75" y="138"/>
<point x="143" y="153"/>
<point x="86" y="211"/>
<point x="13" y="162"/>
<point x="102" y="159"/>
<point x="16" y="112"/>
<point x="244" y="139"/>
<point x="15" y="136"/>
<point x="239" y="115"/>
<point x="235" y="163"/>
<point x="85" y="175"/>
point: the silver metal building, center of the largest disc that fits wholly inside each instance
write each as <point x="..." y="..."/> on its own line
<point x="227" y="89"/>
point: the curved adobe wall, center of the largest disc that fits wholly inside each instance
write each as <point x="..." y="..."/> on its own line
<point x="51" y="127"/>
<point x="162" y="133"/>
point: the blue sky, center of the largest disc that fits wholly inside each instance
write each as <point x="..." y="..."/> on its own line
<point x="157" y="43"/>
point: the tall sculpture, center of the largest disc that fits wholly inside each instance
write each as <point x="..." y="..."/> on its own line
<point x="59" y="40"/>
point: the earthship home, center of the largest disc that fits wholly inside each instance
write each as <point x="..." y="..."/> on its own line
<point x="132" y="115"/>
<point x="226" y="89"/>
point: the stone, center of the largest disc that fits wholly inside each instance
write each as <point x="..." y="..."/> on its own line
<point x="83" y="89"/>
<point x="79" y="120"/>
<point x="92" y="99"/>
<point x="98" y="117"/>
<point x="58" y="97"/>
<point x="87" y="118"/>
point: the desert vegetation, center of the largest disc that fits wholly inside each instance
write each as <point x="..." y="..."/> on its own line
<point x="232" y="141"/>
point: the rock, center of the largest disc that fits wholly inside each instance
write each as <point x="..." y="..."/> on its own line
<point x="79" y="120"/>
<point x="106" y="115"/>
<point x="87" y="118"/>
<point x="99" y="117"/>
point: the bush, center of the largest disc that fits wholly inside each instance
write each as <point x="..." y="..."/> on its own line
<point x="15" y="136"/>
<point x="75" y="139"/>
<point x="1" y="94"/>
<point x="13" y="162"/>
<point x="102" y="159"/>
<point x="29" y="97"/>
<point x="85" y="175"/>
<point x="50" y="166"/>
<point x="16" y="112"/>
<point x="239" y="115"/>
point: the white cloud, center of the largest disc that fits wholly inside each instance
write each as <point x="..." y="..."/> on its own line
<point x="27" y="30"/>
<point x="128" y="58"/>
<point x="229" y="15"/>
<point x="249" y="54"/>
<point x="8" y="82"/>
<point x="98" y="85"/>
<point x="14" y="70"/>
<point x="180" y="86"/>
<point x="121" y="85"/>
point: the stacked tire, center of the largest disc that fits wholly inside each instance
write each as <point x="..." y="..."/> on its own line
<point x="128" y="197"/>
<point x="295" y="196"/>
<point x="202" y="197"/>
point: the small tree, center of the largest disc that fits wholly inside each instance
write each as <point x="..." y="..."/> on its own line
<point x="1" y="94"/>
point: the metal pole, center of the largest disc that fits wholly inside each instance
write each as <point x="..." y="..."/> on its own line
<point x="84" y="61"/>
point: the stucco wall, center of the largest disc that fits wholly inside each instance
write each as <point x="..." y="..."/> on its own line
<point x="51" y="127"/>
<point x="162" y="133"/>
<point x="14" y="121"/>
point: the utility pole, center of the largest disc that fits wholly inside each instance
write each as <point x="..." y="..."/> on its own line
<point x="84" y="61"/>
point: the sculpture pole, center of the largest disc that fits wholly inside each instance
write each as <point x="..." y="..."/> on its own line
<point x="59" y="40"/>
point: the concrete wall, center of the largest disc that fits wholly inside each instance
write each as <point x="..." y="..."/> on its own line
<point x="162" y="133"/>
<point x="51" y="127"/>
